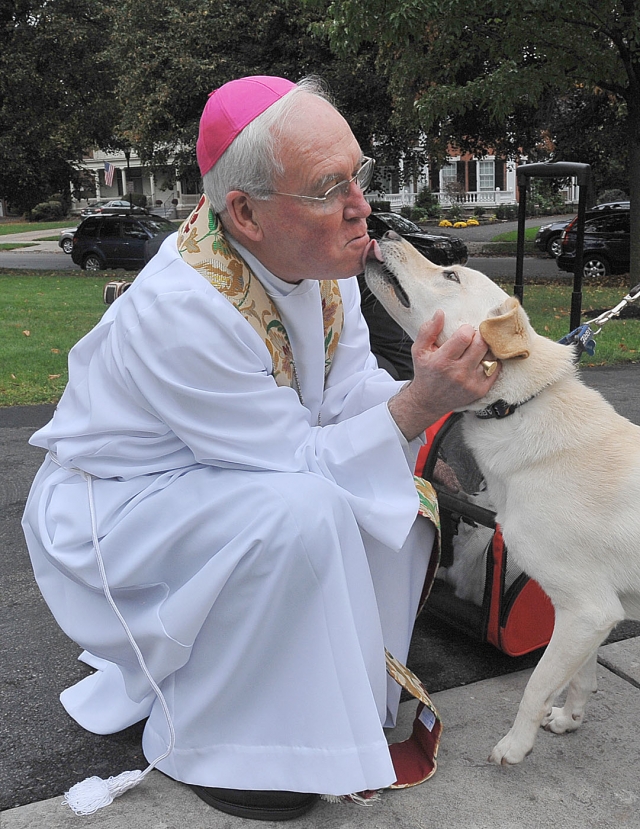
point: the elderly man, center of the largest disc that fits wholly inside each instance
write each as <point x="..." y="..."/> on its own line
<point x="226" y="520"/>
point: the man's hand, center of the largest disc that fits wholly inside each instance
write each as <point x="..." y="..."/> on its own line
<point x="446" y="377"/>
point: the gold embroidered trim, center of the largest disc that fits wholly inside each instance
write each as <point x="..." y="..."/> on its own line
<point x="202" y="244"/>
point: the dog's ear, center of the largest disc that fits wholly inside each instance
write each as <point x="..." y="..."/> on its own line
<point x="507" y="333"/>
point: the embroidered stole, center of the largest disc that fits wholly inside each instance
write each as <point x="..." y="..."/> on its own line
<point x="202" y="244"/>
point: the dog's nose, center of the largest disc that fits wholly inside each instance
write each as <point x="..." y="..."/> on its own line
<point x="392" y="236"/>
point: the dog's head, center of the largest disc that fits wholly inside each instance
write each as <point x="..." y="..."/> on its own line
<point x="411" y="288"/>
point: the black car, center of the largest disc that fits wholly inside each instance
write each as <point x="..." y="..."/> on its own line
<point x="105" y="241"/>
<point x="607" y="244"/>
<point x="441" y="249"/>
<point x="549" y="237"/>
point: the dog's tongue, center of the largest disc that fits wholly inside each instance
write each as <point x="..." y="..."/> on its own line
<point x="372" y="251"/>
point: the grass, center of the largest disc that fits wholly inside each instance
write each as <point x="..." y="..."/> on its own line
<point x="512" y="235"/>
<point x="25" y="227"/>
<point x="549" y="309"/>
<point x="43" y="313"/>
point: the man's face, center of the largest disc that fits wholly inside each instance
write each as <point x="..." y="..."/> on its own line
<point x="300" y="239"/>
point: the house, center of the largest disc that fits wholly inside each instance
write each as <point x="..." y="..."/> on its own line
<point x="486" y="182"/>
<point x="112" y="175"/>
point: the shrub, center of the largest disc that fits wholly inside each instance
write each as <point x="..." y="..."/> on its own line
<point x="507" y="211"/>
<point x="415" y="214"/>
<point x="139" y="199"/>
<point x="419" y="214"/>
<point x="455" y="212"/>
<point x="47" y="210"/>
<point x="612" y="195"/>
<point x="479" y="211"/>
<point x="428" y="201"/>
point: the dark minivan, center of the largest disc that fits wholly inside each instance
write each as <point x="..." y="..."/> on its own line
<point x="105" y="241"/>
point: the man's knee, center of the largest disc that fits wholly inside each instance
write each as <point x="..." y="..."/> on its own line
<point x="311" y="501"/>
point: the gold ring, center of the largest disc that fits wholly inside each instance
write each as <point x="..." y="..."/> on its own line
<point x="489" y="366"/>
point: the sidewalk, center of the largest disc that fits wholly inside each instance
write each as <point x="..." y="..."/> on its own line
<point x="32" y="236"/>
<point x="583" y="780"/>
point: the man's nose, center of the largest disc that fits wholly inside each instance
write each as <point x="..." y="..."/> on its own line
<point x="356" y="206"/>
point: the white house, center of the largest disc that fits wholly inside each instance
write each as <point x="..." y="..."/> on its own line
<point x="166" y="194"/>
<point x="487" y="182"/>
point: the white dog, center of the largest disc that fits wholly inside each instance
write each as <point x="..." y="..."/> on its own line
<point x="563" y="472"/>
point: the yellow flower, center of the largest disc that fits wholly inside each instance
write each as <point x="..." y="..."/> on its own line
<point x="445" y="223"/>
<point x="460" y="224"/>
<point x="472" y="223"/>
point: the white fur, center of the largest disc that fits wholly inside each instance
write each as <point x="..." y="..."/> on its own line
<point x="563" y="473"/>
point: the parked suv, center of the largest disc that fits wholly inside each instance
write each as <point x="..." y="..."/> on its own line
<point x="607" y="245"/>
<point x="128" y="242"/>
<point x="549" y="237"/>
<point x="439" y="248"/>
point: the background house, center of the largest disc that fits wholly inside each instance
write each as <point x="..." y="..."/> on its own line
<point x="487" y="182"/>
<point x="167" y="194"/>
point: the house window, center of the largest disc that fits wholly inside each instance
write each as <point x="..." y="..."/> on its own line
<point x="486" y="175"/>
<point x="449" y="174"/>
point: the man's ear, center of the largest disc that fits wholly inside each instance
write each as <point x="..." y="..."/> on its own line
<point x="242" y="217"/>
<point x="507" y="332"/>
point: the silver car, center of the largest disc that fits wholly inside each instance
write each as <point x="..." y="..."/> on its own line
<point x="65" y="240"/>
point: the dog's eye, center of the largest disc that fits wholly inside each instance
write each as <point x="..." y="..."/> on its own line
<point x="452" y="275"/>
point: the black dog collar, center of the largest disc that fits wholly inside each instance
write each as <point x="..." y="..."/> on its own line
<point x="500" y="409"/>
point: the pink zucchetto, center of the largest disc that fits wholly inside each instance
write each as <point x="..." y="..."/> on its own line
<point x="230" y="108"/>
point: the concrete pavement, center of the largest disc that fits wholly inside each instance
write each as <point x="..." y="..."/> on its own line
<point x="584" y="780"/>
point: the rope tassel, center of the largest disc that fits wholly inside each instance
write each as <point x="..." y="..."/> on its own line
<point x="94" y="793"/>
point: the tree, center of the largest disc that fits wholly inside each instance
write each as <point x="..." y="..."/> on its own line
<point x="176" y="51"/>
<point x="56" y="94"/>
<point x="590" y="124"/>
<point x="447" y="60"/>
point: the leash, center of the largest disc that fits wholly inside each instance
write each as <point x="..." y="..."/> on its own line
<point x="584" y="336"/>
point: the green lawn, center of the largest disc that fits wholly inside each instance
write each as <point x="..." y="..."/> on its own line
<point x="43" y="313"/>
<point x="24" y="227"/>
<point x="512" y="235"/>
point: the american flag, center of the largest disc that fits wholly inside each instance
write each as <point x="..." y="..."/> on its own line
<point x="109" y="170"/>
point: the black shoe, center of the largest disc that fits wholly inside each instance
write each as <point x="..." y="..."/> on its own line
<point x="257" y="805"/>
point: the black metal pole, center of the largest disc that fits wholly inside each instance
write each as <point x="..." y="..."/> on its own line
<point x="518" y="288"/>
<point x="576" y="296"/>
<point x="127" y="155"/>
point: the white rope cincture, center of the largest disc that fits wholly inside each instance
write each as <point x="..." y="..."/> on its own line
<point x="94" y="793"/>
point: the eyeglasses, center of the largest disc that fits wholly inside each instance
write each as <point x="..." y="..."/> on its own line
<point x="333" y="200"/>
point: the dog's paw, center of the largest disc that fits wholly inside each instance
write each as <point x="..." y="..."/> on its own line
<point x="560" y="721"/>
<point x="508" y="752"/>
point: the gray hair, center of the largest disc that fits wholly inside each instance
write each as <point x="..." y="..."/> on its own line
<point x="251" y="162"/>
